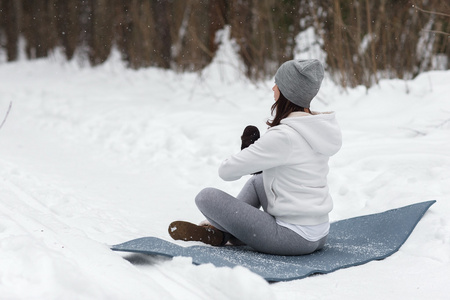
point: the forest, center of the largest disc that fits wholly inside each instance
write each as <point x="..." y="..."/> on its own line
<point x="363" y="41"/>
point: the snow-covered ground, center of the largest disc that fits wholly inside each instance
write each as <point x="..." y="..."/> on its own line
<point x="91" y="157"/>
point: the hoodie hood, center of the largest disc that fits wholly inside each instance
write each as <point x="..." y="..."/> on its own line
<point x="320" y="130"/>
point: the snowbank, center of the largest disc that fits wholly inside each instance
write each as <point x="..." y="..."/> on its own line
<point x="91" y="157"/>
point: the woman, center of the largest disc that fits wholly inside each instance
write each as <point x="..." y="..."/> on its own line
<point x="292" y="188"/>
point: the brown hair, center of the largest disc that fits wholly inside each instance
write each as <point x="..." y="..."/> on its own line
<point x="283" y="108"/>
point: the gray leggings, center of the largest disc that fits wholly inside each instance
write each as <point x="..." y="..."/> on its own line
<point x="242" y="219"/>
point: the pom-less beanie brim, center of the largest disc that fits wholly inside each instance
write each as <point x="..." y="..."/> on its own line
<point x="299" y="80"/>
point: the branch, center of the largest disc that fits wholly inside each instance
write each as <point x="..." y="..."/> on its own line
<point x="6" y="116"/>
<point x="437" y="31"/>
<point x="443" y="123"/>
<point x="430" y="12"/>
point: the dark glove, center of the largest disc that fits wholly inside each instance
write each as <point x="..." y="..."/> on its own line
<point x="249" y="136"/>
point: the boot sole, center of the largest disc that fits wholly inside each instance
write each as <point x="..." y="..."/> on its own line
<point x="185" y="231"/>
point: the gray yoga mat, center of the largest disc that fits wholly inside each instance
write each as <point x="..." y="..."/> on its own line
<point x="351" y="242"/>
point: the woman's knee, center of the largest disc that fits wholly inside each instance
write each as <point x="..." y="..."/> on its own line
<point x="206" y="195"/>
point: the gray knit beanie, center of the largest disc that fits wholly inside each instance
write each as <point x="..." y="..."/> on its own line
<point x="299" y="80"/>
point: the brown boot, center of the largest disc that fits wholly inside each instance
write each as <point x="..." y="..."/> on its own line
<point x="208" y="234"/>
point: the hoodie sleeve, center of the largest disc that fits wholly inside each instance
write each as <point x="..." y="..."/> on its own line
<point x="271" y="150"/>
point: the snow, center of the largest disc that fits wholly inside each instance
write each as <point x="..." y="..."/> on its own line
<point x="91" y="157"/>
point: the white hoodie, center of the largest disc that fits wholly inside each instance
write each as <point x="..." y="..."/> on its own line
<point x="294" y="159"/>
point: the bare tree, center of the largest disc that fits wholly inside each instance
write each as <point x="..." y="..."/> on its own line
<point x="10" y="14"/>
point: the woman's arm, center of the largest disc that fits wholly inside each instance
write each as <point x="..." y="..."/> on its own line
<point x="271" y="150"/>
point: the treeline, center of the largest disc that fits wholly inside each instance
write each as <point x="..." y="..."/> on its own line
<point x="363" y="40"/>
